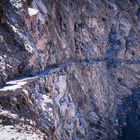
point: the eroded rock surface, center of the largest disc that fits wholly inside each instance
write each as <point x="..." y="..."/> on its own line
<point x="69" y="70"/>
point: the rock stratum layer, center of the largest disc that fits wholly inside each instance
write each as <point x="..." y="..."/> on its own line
<point x="69" y="70"/>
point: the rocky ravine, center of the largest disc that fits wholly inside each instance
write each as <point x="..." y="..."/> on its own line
<point x="69" y="70"/>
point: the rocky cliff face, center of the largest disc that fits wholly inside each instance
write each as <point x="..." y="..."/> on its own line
<point x="69" y="70"/>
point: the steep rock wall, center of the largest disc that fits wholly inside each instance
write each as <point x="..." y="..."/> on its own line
<point x="76" y="68"/>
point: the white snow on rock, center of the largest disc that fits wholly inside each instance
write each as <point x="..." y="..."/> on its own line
<point x="32" y="11"/>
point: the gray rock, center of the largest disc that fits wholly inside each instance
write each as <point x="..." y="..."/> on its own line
<point x="69" y="69"/>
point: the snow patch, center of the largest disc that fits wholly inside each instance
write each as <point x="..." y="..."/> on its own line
<point x="32" y="11"/>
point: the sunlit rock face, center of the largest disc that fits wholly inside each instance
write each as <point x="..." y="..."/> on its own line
<point x="69" y="69"/>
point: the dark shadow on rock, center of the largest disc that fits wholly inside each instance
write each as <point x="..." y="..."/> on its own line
<point x="6" y="85"/>
<point x="129" y="117"/>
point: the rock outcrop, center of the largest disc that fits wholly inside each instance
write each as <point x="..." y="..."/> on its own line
<point x="69" y="70"/>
